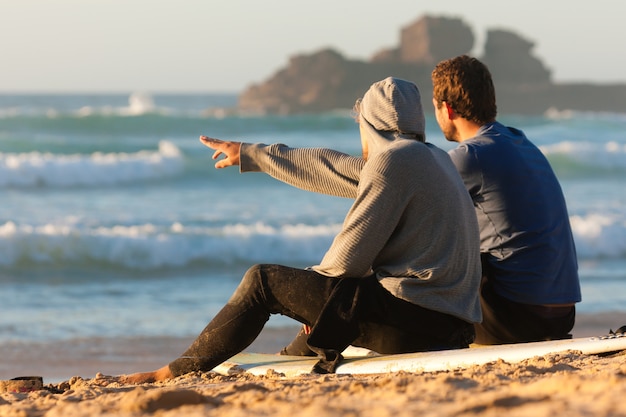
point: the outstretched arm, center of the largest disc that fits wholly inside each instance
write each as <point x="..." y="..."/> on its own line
<point x="313" y="169"/>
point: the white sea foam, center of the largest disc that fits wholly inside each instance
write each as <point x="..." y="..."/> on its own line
<point x="139" y="103"/>
<point x="599" y="235"/>
<point x="53" y="170"/>
<point x="608" y="155"/>
<point x="149" y="246"/>
<point x="136" y="104"/>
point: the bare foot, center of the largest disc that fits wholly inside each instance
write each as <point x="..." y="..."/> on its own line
<point x="161" y="374"/>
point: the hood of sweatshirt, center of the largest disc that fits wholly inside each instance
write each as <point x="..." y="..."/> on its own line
<point x="391" y="109"/>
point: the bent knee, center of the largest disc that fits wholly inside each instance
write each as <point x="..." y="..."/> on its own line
<point x="251" y="283"/>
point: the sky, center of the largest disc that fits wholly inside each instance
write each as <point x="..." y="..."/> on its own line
<point x="67" y="46"/>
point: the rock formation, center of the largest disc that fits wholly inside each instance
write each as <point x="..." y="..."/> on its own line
<point x="427" y="41"/>
<point x="326" y="80"/>
<point x="510" y="61"/>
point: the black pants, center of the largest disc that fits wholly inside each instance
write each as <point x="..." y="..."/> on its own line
<point x="505" y="321"/>
<point x="379" y="320"/>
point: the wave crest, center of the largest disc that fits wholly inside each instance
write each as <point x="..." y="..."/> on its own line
<point x="599" y="235"/>
<point x="53" y="170"/>
<point x="609" y="155"/>
<point x="147" y="247"/>
<point x="150" y="247"/>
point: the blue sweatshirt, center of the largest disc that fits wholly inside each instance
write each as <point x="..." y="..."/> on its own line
<point x="525" y="234"/>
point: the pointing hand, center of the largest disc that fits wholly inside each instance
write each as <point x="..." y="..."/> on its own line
<point x="230" y="150"/>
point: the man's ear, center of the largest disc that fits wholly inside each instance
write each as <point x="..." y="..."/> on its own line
<point x="449" y="111"/>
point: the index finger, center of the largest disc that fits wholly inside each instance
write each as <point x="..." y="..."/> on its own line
<point x="210" y="142"/>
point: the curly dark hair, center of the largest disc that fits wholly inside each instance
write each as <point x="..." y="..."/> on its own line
<point x="465" y="84"/>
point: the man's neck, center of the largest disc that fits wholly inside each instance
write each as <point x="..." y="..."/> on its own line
<point x="466" y="129"/>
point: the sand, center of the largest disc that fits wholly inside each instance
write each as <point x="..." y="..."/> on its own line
<point x="565" y="384"/>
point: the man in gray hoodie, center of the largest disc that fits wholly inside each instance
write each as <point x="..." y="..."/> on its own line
<point x="403" y="273"/>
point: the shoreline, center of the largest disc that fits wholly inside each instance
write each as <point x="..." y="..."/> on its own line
<point x="60" y="361"/>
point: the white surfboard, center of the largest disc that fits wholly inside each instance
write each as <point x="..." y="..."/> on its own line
<point x="360" y="363"/>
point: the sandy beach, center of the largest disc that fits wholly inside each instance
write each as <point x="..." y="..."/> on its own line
<point x="567" y="383"/>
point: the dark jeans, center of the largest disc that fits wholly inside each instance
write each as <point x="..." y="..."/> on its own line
<point x="505" y="321"/>
<point x="378" y="320"/>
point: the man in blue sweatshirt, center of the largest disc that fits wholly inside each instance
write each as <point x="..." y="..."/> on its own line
<point x="530" y="273"/>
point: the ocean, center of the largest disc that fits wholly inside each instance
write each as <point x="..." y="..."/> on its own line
<point x="114" y="222"/>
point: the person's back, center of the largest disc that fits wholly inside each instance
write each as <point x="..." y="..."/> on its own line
<point x="530" y="277"/>
<point x="428" y="236"/>
<point x="522" y="215"/>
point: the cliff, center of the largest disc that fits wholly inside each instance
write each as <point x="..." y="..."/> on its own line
<point x="327" y="80"/>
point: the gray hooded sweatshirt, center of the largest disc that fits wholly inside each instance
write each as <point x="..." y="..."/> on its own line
<point x="412" y="222"/>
